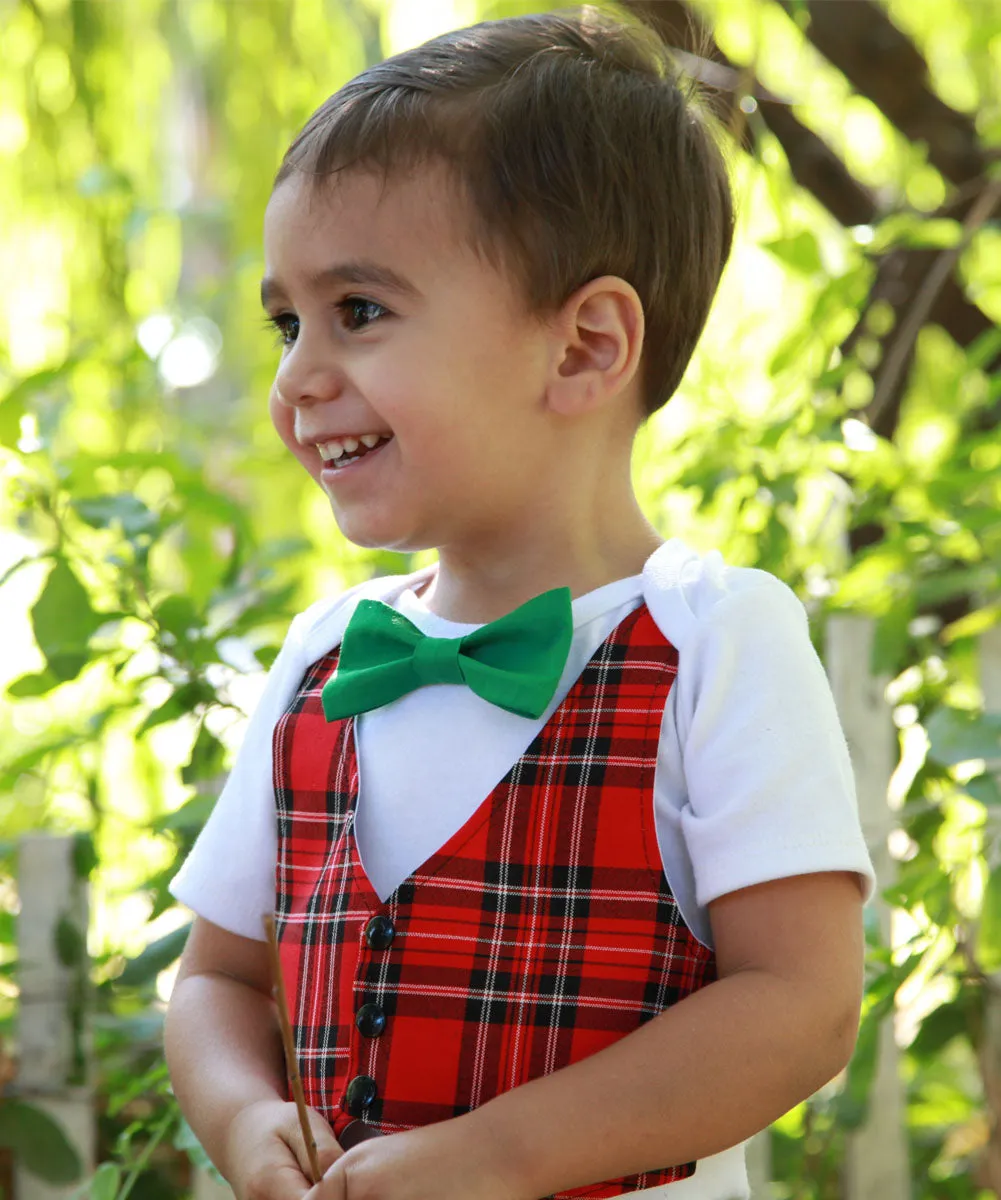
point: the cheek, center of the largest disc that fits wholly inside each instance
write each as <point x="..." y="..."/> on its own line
<point x="282" y="416"/>
<point x="283" y="419"/>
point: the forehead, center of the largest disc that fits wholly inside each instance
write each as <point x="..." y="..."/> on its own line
<point x="414" y="222"/>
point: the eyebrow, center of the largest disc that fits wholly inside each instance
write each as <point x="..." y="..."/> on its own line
<point x="360" y="271"/>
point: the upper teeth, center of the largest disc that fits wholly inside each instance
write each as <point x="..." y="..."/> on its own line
<point x="348" y="445"/>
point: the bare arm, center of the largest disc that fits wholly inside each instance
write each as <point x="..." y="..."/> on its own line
<point x="227" y="1067"/>
<point x="710" y="1071"/>
<point x="780" y="1022"/>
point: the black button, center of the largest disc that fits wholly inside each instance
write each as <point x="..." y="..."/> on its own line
<point x="360" y="1094"/>
<point x="379" y="933"/>
<point x="371" y="1020"/>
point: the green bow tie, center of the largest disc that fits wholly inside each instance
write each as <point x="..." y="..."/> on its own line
<point x="514" y="662"/>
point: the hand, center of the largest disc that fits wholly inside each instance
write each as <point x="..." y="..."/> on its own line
<point x="266" y="1157"/>
<point x="446" y="1161"/>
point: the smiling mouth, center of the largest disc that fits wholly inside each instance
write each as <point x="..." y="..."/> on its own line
<point x="346" y="459"/>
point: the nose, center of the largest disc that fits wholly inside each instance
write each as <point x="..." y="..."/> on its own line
<point x="307" y="374"/>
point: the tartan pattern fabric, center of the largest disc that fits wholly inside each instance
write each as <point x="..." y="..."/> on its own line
<point x="542" y="931"/>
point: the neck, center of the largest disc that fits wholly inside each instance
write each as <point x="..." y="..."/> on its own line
<point x="479" y="586"/>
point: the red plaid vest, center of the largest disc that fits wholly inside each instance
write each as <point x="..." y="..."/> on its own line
<point x="542" y="931"/>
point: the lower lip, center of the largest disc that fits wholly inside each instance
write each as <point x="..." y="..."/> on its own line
<point x="329" y="474"/>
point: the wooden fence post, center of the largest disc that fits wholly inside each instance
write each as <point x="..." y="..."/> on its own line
<point x="52" y="969"/>
<point x="877" y="1165"/>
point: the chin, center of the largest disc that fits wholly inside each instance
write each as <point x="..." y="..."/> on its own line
<point x="372" y="535"/>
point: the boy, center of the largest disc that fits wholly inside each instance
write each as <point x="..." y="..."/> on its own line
<point x="596" y="971"/>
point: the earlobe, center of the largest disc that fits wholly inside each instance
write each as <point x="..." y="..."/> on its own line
<point x="600" y="330"/>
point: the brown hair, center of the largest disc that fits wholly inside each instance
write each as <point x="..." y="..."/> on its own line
<point x="583" y="153"/>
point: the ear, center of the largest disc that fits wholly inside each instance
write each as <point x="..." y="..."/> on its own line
<point x="599" y="332"/>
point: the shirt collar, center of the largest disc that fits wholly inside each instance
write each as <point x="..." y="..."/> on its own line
<point x="586" y="608"/>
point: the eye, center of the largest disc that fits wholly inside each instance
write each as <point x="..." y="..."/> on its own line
<point x="358" y="312"/>
<point x="281" y="322"/>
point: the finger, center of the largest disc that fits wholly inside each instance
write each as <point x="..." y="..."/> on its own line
<point x="333" y="1185"/>
<point x="328" y="1150"/>
<point x="291" y="1135"/>
<point x="286" y="1182"/>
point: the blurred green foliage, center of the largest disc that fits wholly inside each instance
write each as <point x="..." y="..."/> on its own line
<point x="155" y="540"/>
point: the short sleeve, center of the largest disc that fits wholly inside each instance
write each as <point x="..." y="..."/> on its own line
<point x="767" y="779"/>
<point x="229" y="876"/>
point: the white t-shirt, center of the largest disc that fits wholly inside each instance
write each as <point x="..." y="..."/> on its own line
<point x="753" y="779"/>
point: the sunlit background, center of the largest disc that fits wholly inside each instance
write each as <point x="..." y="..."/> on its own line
<point x="137" y="145"/>
<point x="190" y="211"/>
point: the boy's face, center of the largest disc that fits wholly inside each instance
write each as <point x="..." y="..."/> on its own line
<point x="410" y="335"/>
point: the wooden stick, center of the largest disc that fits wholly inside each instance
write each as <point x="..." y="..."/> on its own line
<point x="291" y="1061"/>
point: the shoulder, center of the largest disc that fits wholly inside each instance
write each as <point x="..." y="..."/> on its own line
<point x="750" y="716"/>
<point x="689" y="594"/>
<point x="320" y="627"/>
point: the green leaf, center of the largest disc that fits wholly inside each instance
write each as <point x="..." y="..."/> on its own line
<point x="85" y="857"/>
<point x="13" y="406"/>
<point x="984" y="788"/>
<point x="989" y="932"/>
<point x="915" y="231"/>
<point x="71" y="942"/>
<point x="153" y="1082"/>
<point x="270" y="605"/>
<point x="21" y="562"/>
<point x="185" y="700"/>
<point x="982" y="351"/>
<point x="937" y="234"/>
<point x="178" y="615"/>
<point x="11" y="411"/>
<point x="38" y="1142"/>
<point x="266" y="655"/>
<point x="919" y="881"/>
<point x="105" y="1182"/>
<point x="13" y="770"/>
<point x="191" y="816"/>
<point x="973" y="624"/>
<point x="122" y="508"/>
<point x="944" y="584"/>
<point x="63" y="621"/>
<point x="891" y="638"/>
<point x="33" y="685"/>
<point x="958" y="737"/>
<point x="155" y="958"/>
<point x="791" y="350"/>
<point x="236" y="558"/>
<point x="948" y="1021"/>
<point x="800" y="252"/>
<point x="158" y="885"/>
<point x="207" y="759"/>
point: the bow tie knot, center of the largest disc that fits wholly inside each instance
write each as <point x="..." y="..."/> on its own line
<point x="436" y="660"/>
<point x="514" y="662"/>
